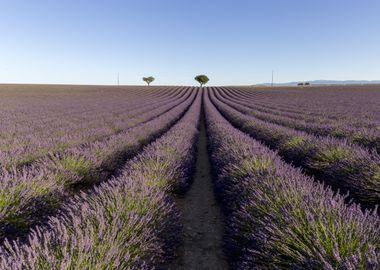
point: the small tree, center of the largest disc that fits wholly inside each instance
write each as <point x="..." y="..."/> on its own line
<point x="202" y="79"/>
<point x="148" y="80"/>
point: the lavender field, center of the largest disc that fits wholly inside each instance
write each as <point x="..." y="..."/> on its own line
<point x="165" y="177"/>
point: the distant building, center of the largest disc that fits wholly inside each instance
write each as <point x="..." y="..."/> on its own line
<point x="302" y="84"/>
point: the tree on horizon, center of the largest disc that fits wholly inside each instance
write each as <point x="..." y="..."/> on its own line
<point x="148" y="80"/>
<point x="202" y="79"/>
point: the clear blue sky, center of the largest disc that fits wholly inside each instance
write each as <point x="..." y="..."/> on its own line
<point x="234" y="42"/>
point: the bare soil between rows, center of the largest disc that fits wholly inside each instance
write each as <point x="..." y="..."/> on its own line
<point x="202" y="218"/>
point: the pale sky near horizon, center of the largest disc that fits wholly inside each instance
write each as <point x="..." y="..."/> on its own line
<point x="233" y="42"/>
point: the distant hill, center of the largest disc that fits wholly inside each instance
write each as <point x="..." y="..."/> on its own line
<point x="323" y="82"/>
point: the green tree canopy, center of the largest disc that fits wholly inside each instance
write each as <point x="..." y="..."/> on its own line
<point x="148" y="80"/>
<point x="202" y="79"/>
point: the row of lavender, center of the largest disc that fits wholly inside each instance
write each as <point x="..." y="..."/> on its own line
<point x="339" y="164"/>
<point x="39" y="106"/>
<point x="27" y="196"/>
<point x="364" y="136"/>
<point x="276" y="217"/>
<point x="33" y="110"/>
<point x="131" y="118"/>
<point x="275" y="105"/>
<point x="348" y="103"/>
<point x="28" y="141"/>
<point x="128" y="222"/>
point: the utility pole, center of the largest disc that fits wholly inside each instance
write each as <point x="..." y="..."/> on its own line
<point x="272" y="78"/>
<point x="118" y="81"/>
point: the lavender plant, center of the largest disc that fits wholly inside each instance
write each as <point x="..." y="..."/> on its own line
<point x="356" y="105"/>
<point x="21" y="145"/>
<point x="366" y="137"/>
<point x="278" y="218"/>
<point x="128" y="222"/>
<point x="39" y="190"/>
<point x="343" y="166"/>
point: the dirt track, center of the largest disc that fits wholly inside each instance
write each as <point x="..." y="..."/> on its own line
<point x="202" y="218"/>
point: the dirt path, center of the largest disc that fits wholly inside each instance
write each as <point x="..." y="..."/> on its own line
<point x="201" y="217"/>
